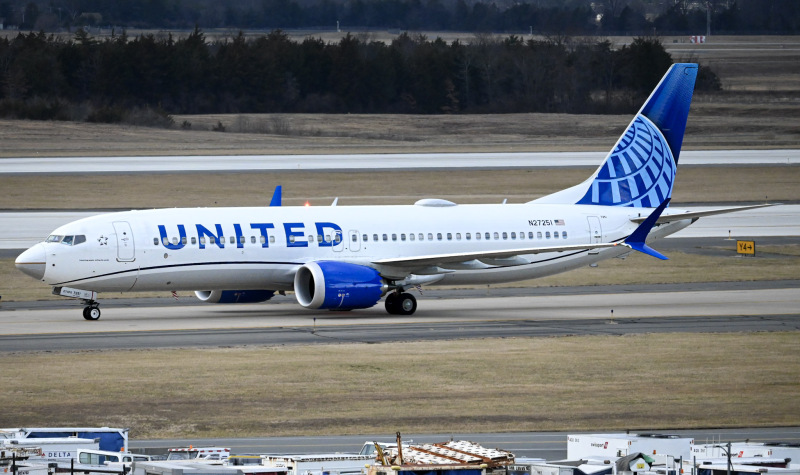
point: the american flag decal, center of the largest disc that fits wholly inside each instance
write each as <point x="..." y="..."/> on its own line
<point x="559" y="222"/>
<point x="175" y="295"/>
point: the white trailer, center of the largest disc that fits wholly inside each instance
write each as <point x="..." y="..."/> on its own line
<point x="748" y="449"/>
<point x="173" y="468"/>
<point x="659" y="446"/>
<point x="53" y="449"/>
<point x="320" y="464"/>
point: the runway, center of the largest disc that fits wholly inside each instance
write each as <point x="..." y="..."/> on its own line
<point x="284" y="322"/>
<point x="418" y="161"/>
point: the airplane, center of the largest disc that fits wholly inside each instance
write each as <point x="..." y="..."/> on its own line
<point x="349" y="257"/>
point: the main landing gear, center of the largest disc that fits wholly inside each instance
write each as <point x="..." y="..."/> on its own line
<point x="92" y="310"/>
<point x="401" y="303"/>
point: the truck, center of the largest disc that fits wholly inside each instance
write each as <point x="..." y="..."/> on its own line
<point x="109" y="438"/>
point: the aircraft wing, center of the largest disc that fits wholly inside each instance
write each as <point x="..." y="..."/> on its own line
<point x="506" y="257"/>
<point x="668" y="217"/>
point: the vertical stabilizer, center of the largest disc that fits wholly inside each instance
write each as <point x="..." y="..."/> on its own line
<point x="640" y="169"/>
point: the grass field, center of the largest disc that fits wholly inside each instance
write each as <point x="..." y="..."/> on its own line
<point x="570" y="383"/>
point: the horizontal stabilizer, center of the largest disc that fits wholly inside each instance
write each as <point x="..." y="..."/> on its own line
<point x="672" y="216"/>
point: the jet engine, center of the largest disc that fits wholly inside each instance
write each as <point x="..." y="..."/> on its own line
<point x="338" y="285"/>
<point x="234" y="296"/>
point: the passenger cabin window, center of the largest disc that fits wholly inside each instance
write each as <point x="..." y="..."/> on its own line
<point x="496" y="236"/>
<point x="513" y="235"/>
<point x="530" y="234"/>
<point x="310" y="238"/>
<point x="183" y="240"/>
<point x="458" y="236"/>
<point x="252" y="240"/>
<point x="538" y="235"/>
<point x="505" y="235"/>
<point x="564" y="235"/>
<point x="385" y="237"/>
<point x="555" y="234"/>
<point x="375" y="237"/>
<point x="364" y="237"/>
<point x="272" y="239"/>
<point x="488" y="236"/>
<point x="155" y="241"/>
<point x="468" y="236"/>
<point x="421" y="237"/>
<point x="403" y="237"/>
<point x="165" y="241"/>
<point x="232" y="240"/>
<point x="439" y="236"/>
<point x="449" y="236"/>
<point x="355" y="237"/>
<point x="430" y="236"/>
<point x="411" y="237"/>
<point x="477" y="236"/>
<point x="547" y="235"/>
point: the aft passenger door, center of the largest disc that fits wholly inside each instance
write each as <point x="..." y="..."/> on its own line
<point x="595" y="231"/>
<point x="126" y="249"/>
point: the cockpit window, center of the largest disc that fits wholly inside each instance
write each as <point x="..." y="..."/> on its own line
<point x="68" y="240"/>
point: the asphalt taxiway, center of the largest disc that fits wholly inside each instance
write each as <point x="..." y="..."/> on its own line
<point x="512" y="313"/>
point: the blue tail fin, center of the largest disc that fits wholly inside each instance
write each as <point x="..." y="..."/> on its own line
<point x="640" y="169"/>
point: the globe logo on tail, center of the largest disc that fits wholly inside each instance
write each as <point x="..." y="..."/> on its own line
<point x="639" y="172"/>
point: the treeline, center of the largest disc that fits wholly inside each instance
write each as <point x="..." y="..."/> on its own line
<point x="123" y="78"/>
<point x="575" y="17"/>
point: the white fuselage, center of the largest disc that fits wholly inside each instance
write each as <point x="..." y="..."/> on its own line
<point x="262" y="248"/>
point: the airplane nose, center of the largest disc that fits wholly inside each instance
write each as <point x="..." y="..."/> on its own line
<point x="33" y="262"/>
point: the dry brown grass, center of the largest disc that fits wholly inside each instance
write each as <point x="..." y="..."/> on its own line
<point x="694" y="184"/>
<point x="572" y="383"/>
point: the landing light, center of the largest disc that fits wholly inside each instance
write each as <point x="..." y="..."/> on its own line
<point x="307" y="203"/>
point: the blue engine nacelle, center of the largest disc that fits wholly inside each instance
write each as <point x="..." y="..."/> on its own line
<point x="338" y="285"/>
<point x="234" y="296"/>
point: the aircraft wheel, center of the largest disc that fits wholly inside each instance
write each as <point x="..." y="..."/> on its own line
<point x="91" y="313"/>
<point x="406" y="304"/>
<point x="393" y="303"/>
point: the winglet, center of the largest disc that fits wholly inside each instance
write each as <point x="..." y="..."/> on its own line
<point x="636" y="240"/>
<point x="276" y="197"/>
